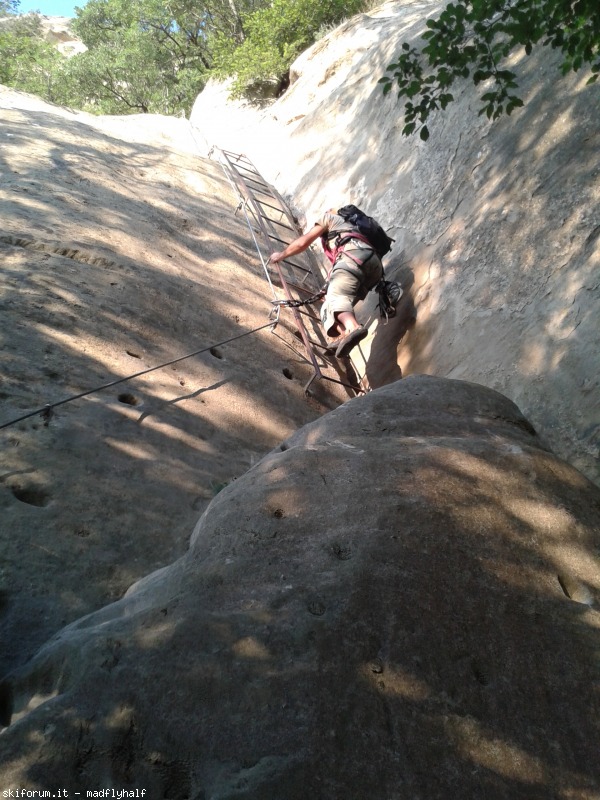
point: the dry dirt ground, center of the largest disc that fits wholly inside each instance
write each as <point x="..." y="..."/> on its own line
<point x="120" y="250"/>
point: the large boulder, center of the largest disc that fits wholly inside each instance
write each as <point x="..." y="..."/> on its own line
<point x="400" y="601"/>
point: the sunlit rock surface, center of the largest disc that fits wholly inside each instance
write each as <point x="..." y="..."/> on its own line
<point x="58" y="31"/>
<point x="496" y="225"/>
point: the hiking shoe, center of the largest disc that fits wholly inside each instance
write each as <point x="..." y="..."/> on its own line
<point x="350" y="340"/>
<point x="331" y="345"/>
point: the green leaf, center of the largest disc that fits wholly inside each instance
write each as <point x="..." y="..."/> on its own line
<point x="481" y="75"/>
<point x="424" y="133"/>
<point x="473" y="38"/>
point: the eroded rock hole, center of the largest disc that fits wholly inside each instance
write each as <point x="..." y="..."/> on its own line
<point x="215" y="352"/>
<point x="278" y="513"/>
<point x="316" y="608"/>
<point x="288" y="373"/>
<point x="480" y="673"/>
<point x="52" y="374"/>
<point x="341" y="551"/>
<point x="575" y="590"/>
<point x="32" y="495"/>
<point x="129" y="399"/>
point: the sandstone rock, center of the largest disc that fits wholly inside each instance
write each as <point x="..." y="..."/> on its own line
<point x="399" y="602"/>
<point x="57" y="31"/>
<point x="120" y="251"/>
<point x="496" y="224"/>
<point x="376" y="609"/>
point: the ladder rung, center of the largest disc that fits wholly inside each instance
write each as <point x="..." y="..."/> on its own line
<point x="259" y="183"/>
<point x="282" y="224"/>
<point x="275" y="208"/>
<point x="249" y="186"/>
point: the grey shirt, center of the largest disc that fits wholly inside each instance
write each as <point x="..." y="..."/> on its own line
<point x="333" y="223"/>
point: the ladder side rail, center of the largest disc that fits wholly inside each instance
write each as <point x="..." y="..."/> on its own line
<point x="283" y="208"/>
<point x="312" y="259"/>
<point x="315" y="271"/>
<point x="299" y="321"/>
<point x="249" y="210"/>
<point x="271" y="235"/>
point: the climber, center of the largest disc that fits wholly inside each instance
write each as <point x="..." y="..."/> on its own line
<point x="356" y="269"/>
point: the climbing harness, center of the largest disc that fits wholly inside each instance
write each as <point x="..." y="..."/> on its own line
<point x="46" y="411"/>
<point x="334" y="254"/>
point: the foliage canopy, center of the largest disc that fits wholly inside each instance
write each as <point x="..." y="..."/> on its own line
<point x="275" y="35"/>
<point x="26" y="60"/>
<point x="156" y="55"/>
<point x="472" y="39"/>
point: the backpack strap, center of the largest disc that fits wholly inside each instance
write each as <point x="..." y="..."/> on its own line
<point x="342" y="239"/>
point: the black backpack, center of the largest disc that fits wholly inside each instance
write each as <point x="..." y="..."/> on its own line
<point x="369" y="228"/>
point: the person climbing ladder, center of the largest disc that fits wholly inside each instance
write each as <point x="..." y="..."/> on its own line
<point x="354" y="244"/>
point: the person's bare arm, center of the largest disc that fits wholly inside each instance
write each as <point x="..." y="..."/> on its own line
<point x="300" y="244"/>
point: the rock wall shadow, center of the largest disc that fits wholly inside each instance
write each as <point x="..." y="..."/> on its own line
<point x="495" y="219"/>
<point x="103" y="278"/>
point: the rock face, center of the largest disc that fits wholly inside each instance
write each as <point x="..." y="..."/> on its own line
<point x="399" y="601"/>
<point x="57" y="31"/>
<point x="497" y="225"/>
<point x="120" y="251"/>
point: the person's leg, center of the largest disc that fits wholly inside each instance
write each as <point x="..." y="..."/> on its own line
<point x="352" y="284"/>
<point x="372" y="273"/>
<point x="341" y="296"/>
<point x="346" y="322"/>
<point x="342" y="325"/>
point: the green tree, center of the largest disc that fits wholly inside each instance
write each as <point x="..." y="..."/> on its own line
<point x="155" y="55"/>
<point x="9" y="7"/>
<point x="274" y="36"/>
<point x="142" y="56"/>
<point x="148" y="55"/>
<point x="472" y="38"/>
<point x="27" y="62"/>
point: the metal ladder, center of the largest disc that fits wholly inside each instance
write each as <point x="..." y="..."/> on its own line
<point x="273" y="226"/>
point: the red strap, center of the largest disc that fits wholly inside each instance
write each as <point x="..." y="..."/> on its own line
<point x="333" y="254"/>
<point x="356" y="235"/>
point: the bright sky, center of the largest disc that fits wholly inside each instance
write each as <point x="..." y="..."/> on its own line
<point x="51" y="8"/>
